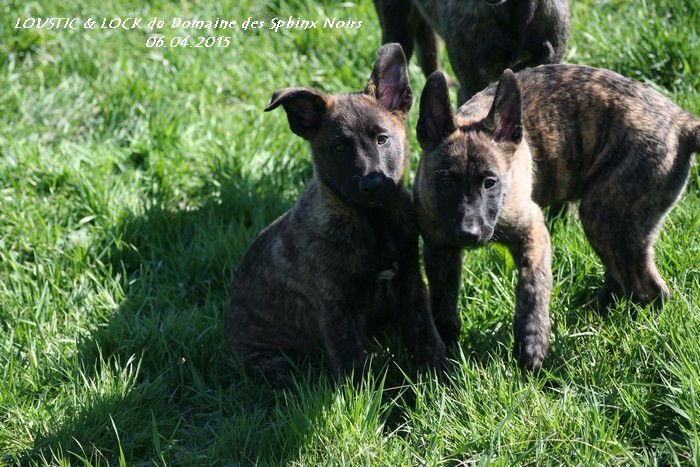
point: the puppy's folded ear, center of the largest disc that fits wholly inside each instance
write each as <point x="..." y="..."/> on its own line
<point x="304" y="107"/>
<point x="389" y="81"/>
<point x="505" y="119"/>
<point x="436" y="118"/>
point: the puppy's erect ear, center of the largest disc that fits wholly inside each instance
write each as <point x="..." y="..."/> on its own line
<point x="389" y="81"/>
<point x="305" y="109"/>
<point x="436" y="118"/>
<point x="505" y="119"/>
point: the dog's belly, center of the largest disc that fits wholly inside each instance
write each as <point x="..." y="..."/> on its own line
<point x="464" y="24"/>
<point x="556" y="179"/>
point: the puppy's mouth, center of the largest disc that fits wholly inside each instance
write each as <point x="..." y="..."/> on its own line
<point x="374" y="190"/>
<point x="377" y="201"/>
<point x="467" y="243"/>
<point x="367" y="202"/>
<point x="471" y="238"/>
<point x="470" y="244"/>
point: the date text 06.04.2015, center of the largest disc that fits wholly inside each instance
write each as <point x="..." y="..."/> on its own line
<point x="206" y="42"/>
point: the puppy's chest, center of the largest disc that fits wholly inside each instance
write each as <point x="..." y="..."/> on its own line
<point x="384" y="251"/>
<point x="377" y="253"/>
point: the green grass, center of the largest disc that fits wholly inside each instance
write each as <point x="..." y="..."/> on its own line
<point x="132" y="181"/>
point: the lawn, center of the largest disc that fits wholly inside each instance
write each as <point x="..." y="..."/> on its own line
<point x="133" y="179"/>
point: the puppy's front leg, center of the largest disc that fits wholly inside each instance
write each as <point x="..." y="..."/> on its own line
<point x="417" y="326"/>
<point x="344" y="333"/>
<point x="531" y="250"/>
<point x="443" y="266"/>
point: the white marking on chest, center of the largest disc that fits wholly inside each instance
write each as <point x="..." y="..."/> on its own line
<point x="388" y="274"/>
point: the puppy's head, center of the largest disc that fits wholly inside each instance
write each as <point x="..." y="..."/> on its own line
<point x="463" y="175"/>
<point x="358" y="140"/>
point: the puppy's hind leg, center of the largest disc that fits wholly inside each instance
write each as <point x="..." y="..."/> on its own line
<point x="622" y="226"/>
<point x="426" y="42"/>
<point x="394" y="19"/>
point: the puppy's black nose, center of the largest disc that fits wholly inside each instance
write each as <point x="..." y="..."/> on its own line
<point x="371" y="184"/>
<point x="468" y="233"/>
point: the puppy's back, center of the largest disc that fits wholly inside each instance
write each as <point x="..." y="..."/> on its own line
<point x="581" y="121"/>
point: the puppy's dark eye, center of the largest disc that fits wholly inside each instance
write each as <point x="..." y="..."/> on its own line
<point x="489" y="182"/>
<point x="445" y="179"/>
<point x="381" y="139"/>
<point x="339" y="147"/>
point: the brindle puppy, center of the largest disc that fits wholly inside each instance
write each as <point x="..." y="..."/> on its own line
<point x="483" y="37"/>
<point x="548" y="135"/>
<point x="344" y="259"/>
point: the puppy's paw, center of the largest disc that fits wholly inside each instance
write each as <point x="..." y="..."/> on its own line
<point x="433" y="357"/>
<point x="530" y="351"/>
<point x="601" y="302"/>
<point x="449" y="330"/>
<point x="604" y="298"/>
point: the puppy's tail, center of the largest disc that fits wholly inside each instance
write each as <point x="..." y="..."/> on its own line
<point x="691" y="133"/>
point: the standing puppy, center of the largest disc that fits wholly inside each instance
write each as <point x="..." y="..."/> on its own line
<point x="483" y="37"/>
<point x="548" y="135"/>
<point x="344" y="259"/>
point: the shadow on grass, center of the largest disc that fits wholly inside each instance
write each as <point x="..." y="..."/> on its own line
<point x="157" y="382"/>
<point x="177" y="264"/>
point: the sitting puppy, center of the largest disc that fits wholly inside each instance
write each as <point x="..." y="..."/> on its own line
<point x="483" y="37"/>
<point x="344" y="260"/>
<point x="548" y="135"/>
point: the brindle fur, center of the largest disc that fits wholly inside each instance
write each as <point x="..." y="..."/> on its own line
<point x="482" y="37"/>
<point x="545" y="136"/>
<point x="402" y="22"/>
<point x="319" y="277"/>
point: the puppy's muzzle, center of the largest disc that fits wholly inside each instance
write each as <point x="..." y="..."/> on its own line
<point x="371" y="185"/>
